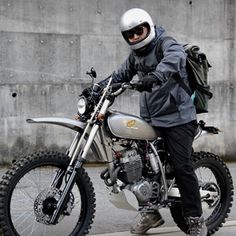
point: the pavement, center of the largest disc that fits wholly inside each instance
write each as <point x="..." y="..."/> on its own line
<point x="229" y="229"/>
<point x="110" y="221"/>
<point x="119" y="222"/>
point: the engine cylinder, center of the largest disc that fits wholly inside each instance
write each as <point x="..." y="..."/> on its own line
<point x="132" y="166"/>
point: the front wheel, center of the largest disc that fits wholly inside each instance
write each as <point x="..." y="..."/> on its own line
<point x="27" y="199"/>
<point x="213" y="176"/>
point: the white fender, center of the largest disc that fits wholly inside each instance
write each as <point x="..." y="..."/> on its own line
<point x="71" y="124"/>
<point x="68" y="123"/>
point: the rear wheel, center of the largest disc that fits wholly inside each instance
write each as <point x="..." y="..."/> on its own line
<point x="214" y="176"/>
<point x="27" y="199"/>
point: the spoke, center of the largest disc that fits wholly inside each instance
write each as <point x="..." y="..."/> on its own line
<point x="23" y="199"/>
<point x="206" y="176"/>
<point x="31" y="183"/>
<point x="21" y="215"/>
<point x="25" y="229"/>
<point x="27" y="217"/>
<point x="33" y="228"/>
<point x="26" y="194"/>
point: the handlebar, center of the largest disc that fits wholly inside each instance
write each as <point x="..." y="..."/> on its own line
<point x="121" y="87"/>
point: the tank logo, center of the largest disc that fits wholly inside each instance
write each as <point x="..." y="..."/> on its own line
<point x="131" y="124"/>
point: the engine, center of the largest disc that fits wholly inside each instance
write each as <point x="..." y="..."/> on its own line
<point x="128" y="168"/>
<point x="131" y="166"/>
<point x="131" y="174"/>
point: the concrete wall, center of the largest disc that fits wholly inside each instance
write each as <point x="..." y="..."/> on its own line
<point x="46" y="47"/>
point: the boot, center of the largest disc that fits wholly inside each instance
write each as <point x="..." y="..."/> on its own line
<point x="147" y="221"/>
<point x="197" y="226"/>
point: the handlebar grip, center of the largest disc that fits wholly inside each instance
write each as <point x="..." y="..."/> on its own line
<point x="116" y="86"/>
<point x="137" y="86"/>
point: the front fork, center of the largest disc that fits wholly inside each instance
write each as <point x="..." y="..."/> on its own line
<point x="76" y="162"/>
<point x="71" y="173"/>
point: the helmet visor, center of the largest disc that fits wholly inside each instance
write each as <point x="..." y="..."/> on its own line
<point x="141" y="31"/>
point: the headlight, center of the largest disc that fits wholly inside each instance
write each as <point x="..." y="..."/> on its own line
<point x="82" y="103"/>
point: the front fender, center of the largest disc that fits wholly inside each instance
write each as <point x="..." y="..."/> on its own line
<point x="74" y="125"/>
<point x="65" y="122"/>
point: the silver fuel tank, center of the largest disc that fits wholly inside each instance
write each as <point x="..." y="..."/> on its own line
<point x="131" y="127"/>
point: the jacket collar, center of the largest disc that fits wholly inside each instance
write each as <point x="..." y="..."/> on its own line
<point x="160" y="32"/>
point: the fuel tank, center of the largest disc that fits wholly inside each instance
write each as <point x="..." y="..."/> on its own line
<point x="131" y="127"/>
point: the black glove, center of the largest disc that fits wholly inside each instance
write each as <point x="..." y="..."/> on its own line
<point x="147" y="83"/>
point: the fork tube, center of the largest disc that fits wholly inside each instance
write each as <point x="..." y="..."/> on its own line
<point x="73" y="145"/>
<point x="162" y="171"/>
<point x="61" y="202"/>
<point x="89" y="141"/>
<point x="95" y="128"/>
<point x="75" y="148"/>
<point x="76" y="144"/>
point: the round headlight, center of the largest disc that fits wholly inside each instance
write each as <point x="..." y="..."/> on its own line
<point x="82" y="105"/>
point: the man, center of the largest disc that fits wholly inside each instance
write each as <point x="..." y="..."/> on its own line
<point x="166" y="105"/>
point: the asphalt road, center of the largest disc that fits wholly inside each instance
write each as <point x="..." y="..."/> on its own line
<point x="110" y="221"/>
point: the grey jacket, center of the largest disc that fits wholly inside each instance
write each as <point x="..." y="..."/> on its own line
<point x="168" y="104"/>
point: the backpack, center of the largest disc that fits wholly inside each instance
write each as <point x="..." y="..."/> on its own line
<point x="197" y="67"/>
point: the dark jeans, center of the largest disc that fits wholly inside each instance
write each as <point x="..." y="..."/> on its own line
<point x="179" y="141"/>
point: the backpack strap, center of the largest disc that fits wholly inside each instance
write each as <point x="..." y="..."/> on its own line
<point x="176" y="76"/>
<point x="203" y="90"/>
<point x="178" y="79"/>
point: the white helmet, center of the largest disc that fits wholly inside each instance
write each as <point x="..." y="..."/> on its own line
<point x="133" y="18"/>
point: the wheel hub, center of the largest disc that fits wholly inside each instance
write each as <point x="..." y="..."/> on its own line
<point x="45" y="204"/>
<point x="214" y="197"/>
<point x="49" y="205"/>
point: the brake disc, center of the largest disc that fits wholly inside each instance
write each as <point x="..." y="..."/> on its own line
<point x="45" y="204"/>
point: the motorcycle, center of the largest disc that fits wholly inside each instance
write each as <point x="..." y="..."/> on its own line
<point x="44" y="192"/>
